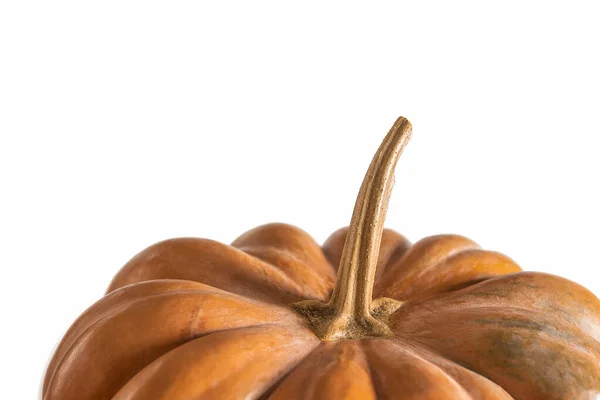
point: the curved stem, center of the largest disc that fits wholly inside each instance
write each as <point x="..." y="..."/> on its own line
<point x="349" y="313"/>
<point x="353" y="290"/>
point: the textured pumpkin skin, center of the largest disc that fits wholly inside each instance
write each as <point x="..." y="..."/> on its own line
<point x="196" y="319"/>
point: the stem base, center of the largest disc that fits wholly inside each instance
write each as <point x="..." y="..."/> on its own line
<point x="329" y="325"/>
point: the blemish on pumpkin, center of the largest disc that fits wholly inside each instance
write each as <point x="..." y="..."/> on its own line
<point x="538" y="364"/>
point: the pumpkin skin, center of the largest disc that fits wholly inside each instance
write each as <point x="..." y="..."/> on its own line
<point x="276" y="316"/>
<point x="194" y="319"/>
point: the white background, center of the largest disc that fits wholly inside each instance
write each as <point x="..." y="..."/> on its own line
<point x="124" y="123"/>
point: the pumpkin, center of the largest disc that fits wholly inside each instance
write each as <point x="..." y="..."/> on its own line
<point x="366" y="316"/>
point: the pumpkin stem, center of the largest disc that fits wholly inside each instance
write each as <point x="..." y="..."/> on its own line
<point x="350" y="312"/>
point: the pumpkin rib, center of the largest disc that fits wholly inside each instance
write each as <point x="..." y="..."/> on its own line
<point x="333" y="246"/>
<point x="533" y="315"/>
<point x="421" y="257"/>
<point x="533" y="291"/>
<point x="105" y="304"/>
<point x="179" y="345"/>
<point x="82" y="323"/>
<point x="578" y="367"/>
<point x="333" y="370"/>
<point x="457" y="271"/>
<point x="175" y="375"/>
<point x="397" y="369"/>
<point x="478" y="386"/>
<point x="291" y="239"/>
<point x="531" y="323"/>
<point x="427" y="348"/>
<point x="123" y="332"/>
<point x="296" y="269"/>
<point x="400" y="248"/>
<point x="521" y="350"/>
<point x="268" y="395"/>
<point x="212" y="263"/>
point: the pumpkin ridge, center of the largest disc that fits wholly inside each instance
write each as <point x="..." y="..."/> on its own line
<point x="435" y="357"/>
<point x="122" y="310"/>
<point x="290" y="238"/>
<point x="191" y="338"/>
<point x="510" y="347"/>
<point x="159" y="262"/>
<point x="372" y="351"/>
<point x="528" y="288"/>
<point x="528" y="322"/>
<point x="269" y="390"/>
<point x="402" y="269"/>
<point x="67" y="352"/>
<point x="275" y="386"/>
<point x="331" y="370"/>
<point x="395" y="255"/>
<point x="181" y="344"/>
<point x="461" y="270"/>
<point x="101" y="307"/>
<point x="481" y="371"/>
<point x="116" y="308"/>
<point x="317" y="293"/>
<point x="287" y="252"/>
<point x="216" y="385"/>
<point x="69" y="340"/>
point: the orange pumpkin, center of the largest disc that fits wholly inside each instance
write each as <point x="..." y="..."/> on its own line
<point x="276" y="316"/>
